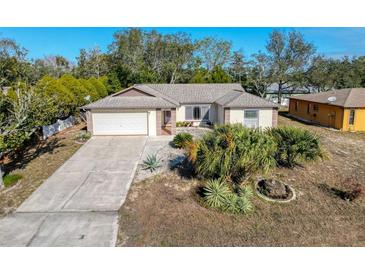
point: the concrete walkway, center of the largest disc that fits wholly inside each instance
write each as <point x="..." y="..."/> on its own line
<point x="78" y="204"/>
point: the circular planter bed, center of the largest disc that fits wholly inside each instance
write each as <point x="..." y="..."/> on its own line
<point x="274" y="191"/>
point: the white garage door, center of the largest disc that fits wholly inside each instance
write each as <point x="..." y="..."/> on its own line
<point x="131" y="123"/>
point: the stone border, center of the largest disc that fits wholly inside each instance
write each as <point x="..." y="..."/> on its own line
<point x="81" y="143"/>
<point x="274" y="200"/>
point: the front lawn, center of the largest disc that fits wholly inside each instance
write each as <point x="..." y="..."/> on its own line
<point x="36" y="164"/>
<point x="166" y="210"/>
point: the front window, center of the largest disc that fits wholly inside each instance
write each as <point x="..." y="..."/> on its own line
<point x="315" y="107"/>
<point x="251" y="118"/>
<point x="196" y="113"/>
<point x="352" y="117"/>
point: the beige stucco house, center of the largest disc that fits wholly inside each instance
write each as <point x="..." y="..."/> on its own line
<point x="154" y="109"/>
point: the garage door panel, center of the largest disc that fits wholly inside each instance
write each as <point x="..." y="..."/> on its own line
<point x="134" y="123"/>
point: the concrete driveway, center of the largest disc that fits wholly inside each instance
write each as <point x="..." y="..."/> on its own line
<point x="78" y="204"/>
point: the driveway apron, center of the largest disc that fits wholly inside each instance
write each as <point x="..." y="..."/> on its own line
<point x="78" y="204"/>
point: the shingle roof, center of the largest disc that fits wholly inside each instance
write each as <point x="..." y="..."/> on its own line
<point x="130" y="102"/>
<point x="172" y="95"/>
<point x="250" y="101"/>
<point x="226" y="98"/>
<point x="195" y="93"/>
<point x="350" y="97"/>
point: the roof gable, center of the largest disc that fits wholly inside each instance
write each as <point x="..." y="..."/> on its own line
<point x="131" y="92"/>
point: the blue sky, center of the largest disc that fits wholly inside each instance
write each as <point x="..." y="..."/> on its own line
<point x="333" y="42"/>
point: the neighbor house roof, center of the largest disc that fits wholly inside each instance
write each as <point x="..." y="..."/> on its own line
<point x="172" y="95"/>
<point x="348" y="98"/>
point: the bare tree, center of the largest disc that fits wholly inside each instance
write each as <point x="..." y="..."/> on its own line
<point x="258" y="76"/>
<point x="289" y="57"/>
<point x="213" y="52"/>
<point x="91" y="63"/>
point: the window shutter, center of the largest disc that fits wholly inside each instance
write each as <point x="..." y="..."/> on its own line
<point x="188" y="113"/>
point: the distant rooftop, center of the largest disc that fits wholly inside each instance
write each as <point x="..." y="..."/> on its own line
<point x="349" y="98"/>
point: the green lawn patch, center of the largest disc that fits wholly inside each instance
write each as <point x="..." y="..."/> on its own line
<point x="11" y="179"/>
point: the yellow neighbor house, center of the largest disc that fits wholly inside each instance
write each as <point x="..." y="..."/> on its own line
<point x="342" y="109"/>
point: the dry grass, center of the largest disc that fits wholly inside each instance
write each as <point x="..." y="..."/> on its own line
<point x="35" y="165"/>
<point x="164" y="210"/>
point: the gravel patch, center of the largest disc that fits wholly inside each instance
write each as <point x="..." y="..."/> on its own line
<point x="197" y="132"/>
<point x="168" y="156"/>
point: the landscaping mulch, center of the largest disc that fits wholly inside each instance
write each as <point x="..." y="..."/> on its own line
<point x="36" y="164"/>
<point x="164" y="210"/>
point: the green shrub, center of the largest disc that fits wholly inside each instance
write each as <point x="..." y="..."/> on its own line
<point x="233" y="152"/>
<point x="11" y="179"/>
<point x="183" y="124"/>
<point x="218" y="195"/>
<point x="151" y="163"/>
<point x="83" y="136"/>
<point x="238" y="204"/>
<point x="295" y="144"/>
<point x="181" y="139"/>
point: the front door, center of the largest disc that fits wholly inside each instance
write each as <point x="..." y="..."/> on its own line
<point x="166" y="122"/>
<point x="167" y="117"/>
<point x="332" y="122"/>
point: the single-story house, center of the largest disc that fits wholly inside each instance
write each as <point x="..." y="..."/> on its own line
<point x="154" y="109"/>
<point x="342" y="109"/>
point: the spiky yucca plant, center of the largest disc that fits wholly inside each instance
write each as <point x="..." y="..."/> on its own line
<point x="216" y="194"/>
<point x="296" y="144"/>
<point x="151" y="163"/>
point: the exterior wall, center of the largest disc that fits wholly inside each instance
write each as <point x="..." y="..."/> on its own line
<point x="158" y="121"/>
<point x="327" y="115"/>
<point x="173" y="121"/>
<point x="227" y="116"/>
<point x="236" y="116"/>
<point x="180" y="113"/>
<point x="359" y="122"/>
<point x="265" y="117"/>
<point x="152" y="129"/>
<point x="213" y="116"/>
<point x="275" y="117"/>
<point x="220" y="115"/>
<point x="89" y="121"/>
